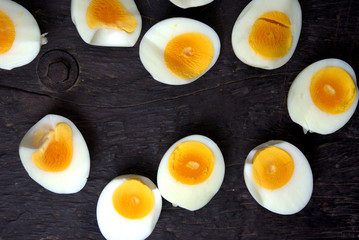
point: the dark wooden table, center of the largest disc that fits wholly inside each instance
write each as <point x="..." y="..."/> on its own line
<point x="129" y="120"/>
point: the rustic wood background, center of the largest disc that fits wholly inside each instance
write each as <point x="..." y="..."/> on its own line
<point x="129" y="120"/>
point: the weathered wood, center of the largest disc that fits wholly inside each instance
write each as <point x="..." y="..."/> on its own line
<point x="129" y="120"/>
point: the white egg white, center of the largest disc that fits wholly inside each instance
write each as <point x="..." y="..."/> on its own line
<point x="103" y="36"/>
<point x="154" y="42"/>
<point x="70" y="180"/>
<point x="302" y="109"/>
<point x="191" y="197"/>
<point x="292" y="197"/>
<point x="113" y="226"/>
<point x="28" y="39"/>
<point x="190" y="3"/>
<point x="243" y="27"/>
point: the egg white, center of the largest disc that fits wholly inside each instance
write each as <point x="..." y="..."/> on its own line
<point x="154" y="42"/>
<point x="191" y="197"/>
<point x="292" y="197"/>
<point x="302" y="109"/>
<point x="70" y="180"/>
<point x="190" y="3"/>
<point x="103" y="36"/>
<point x="114" y="226"/>
<point x="28" y="39"/>
<point x="243" y="27"/>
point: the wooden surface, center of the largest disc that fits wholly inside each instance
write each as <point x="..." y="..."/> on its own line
<point x="129" y="120"/>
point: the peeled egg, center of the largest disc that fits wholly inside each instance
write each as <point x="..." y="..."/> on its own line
<point x="178" y="51"/>
<point x="266" y="32"/>
<point x="112" y="23"/>
<point x="279" y="177"/>
<point x="128" y="208"/>
<point x="190" y="3"/>
<point x="191" y="172"/>
<point x="55" y="155"/>
<point x="20" y="37"/>
<point x="324" y="96"/>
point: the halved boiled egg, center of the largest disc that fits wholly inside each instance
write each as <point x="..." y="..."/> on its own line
<point x="279" y="177"/>
<point x="191" y="172"/>
<point x="190" y="3"/>
<point x="128" y="208"/>
<point x="112" y="23"/>
<point x="20" y="37"/>
<point x="266" y="32"/>
<point x="178" y="51"/>
<point x="324" y="96"/>
<point x="55" y="155"/>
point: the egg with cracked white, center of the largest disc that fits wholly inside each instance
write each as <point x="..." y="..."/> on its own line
<point x="20" y="36"/>
<point x="128" y="208"/>
<point x="266" y="33"/>
<point x="190" y="3"/>
<point x="109" y="23"/>
<point x="279" y="177"/>
<point x="178" y="51"/>
<point x="324" y="96"/>
<point x="191" y="172"/>
<point x="55" y="155"/>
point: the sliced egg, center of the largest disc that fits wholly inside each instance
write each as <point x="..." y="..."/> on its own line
<point x="55" y="155"/>
<point x="190" y="3"/>
<point x="191" y="172"/>
<point x="266" y="32"/>
<point x="279" y="177"/>
<point x="178" y="51"/>
<point x="111" y="23"/>
<point x="324" y="96"/>
<point x="128" y="208"/>
<point x="20" y="37"/>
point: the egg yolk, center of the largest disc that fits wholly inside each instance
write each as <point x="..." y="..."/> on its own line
<point x="55" y="155"/>
<point x="271" y="35"/>
<point x="133" y="199"/>
<point x="272" y="168"/>
<point x="110" y="14"/>
<point x="191" y="162"/>
<point x="332" y="90"/>
<point x="188" y="55"/>
<point x="7" y="32"/>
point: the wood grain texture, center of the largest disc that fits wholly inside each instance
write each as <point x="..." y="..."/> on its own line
<point x="129" y="121"/>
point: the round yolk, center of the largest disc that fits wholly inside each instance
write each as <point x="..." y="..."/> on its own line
<point x="133" y="199"/>
<point x="332" y="90"/>
<point x="272" y="168"/>
<point x="110" y="14"/>
<point x="7" y="32"/>
<point x="271" y="35"/>
<point x="188" y="55"/>
<point x="191" y="162"/>
<point x="56" y="153"/>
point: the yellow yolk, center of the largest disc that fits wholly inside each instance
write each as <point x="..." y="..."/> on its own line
<point x="272" y="168"/>
<point x="110" y="14"/>
<point x="56" y="152"/>
<point x="191" y="162"/>
<point x="271" y="36"/>
<point x="332" y="90"/>
<point x="133" y="199"/>
<point x="188" y="55"/>
<point x="7" y="32"/>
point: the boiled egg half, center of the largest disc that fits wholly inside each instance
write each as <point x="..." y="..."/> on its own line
<point x="190" y="3"/>
<point x="20" y="37"/>
<point x="55" y="155"/>
<point x="324" y="96"/>
<point x="266" y="32"/>
<point x="111" y="23"/>
<point x="178" y="51"/>
<point x="279" y="177"/>
<point x="191" y="172"/>
<point x="128" y="208"/>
